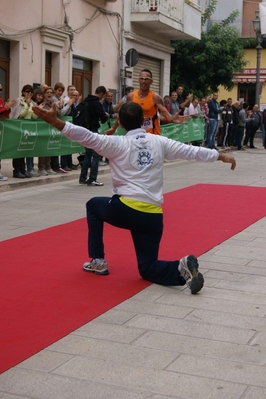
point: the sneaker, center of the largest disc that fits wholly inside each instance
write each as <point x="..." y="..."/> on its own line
<point x="94" y="183"/>
<point x="102" y="163"/>
<point x="3" y="178"/>
<point x="60" y="170"/>
<point x="189" y="271"/>
<point x="34" y="173"/>
<point x="67" y="169"/>
<point x="43" y="172"/>
<point x="100" y="268"/>
<point x="50" y="172"/>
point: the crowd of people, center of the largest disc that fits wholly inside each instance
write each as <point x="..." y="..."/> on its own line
<point x="227" y="124"/>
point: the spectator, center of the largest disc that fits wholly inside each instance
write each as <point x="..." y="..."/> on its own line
<point x="44" y="163"/>
<point x="252" y="126"/>
<point x="174" y="105"/>
<point x="214" y="117"/>
<point x="5" y="109"/>
<point x="242" y="120"/>
<point x="23" y="110"/>
<point x="37" y="96"/>
<point x="193" y="111"/>
<point x="182" y="102"/>
<point x="66" y="160"/>
<point x="203" y="113"/>
<point x="95" y="113"/>
<point x="236" y="110"/>
<point x="116" y="107"/>
<point x="220" y="133"/>
<point x="136" y="162"/>
<point x="227" y="117"/>
<point x="166" y="103"/>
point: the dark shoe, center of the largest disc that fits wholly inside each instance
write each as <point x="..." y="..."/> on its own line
<point x="82" y="181"/>
<point x="19" y="175"/>
<point x="189" y="271"/>
<point x="67" y="169"/>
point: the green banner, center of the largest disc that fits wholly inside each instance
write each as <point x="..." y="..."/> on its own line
<point x="186" y="132"/>
<point x="21" y="138"/>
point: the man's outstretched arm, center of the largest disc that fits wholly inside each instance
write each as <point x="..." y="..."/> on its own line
<point x="227" y="158"/>
<point x="49" y="116"/>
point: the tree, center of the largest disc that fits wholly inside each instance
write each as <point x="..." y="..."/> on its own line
<point x="203" y="65"/>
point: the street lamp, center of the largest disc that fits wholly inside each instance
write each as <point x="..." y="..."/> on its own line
<point x="256" y="26"/>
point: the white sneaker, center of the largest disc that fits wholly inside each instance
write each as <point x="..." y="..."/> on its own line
<point x="3" y="178"/>
<point x="95" y="183"/>
<point x="43" y="173"/>
<point x="50" y="172"/>
<point x="102" y="163"/>
<point x="34" y="173"/>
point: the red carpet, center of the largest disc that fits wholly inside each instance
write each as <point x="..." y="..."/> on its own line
<point x="45" y="294"/>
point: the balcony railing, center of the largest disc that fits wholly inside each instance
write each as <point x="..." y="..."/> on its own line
<point x="171" y="8"/>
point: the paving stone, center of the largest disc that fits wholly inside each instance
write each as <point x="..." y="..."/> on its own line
<point x="217" y="304"/>
<point x="45" y="361"/>
<point x="38" y="385"/>
<point x="117" y="352"/>
<point x="240" y="373"/>
<point x="148" y="379"/>
<point x="109" y="332"/>
<point x="157" y="308"/>
<point x="228" y="319"/>
<point x="193" y="329"/>
<point x="204" y="347"/>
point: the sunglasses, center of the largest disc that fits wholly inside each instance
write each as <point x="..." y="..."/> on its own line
<point x="28" y="91"/>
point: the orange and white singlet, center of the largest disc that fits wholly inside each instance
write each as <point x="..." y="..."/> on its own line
<point x="151" y="120"/>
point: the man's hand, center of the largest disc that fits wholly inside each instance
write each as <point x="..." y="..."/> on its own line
<point x="180" y="119"/>
<point x="49" y="116"/>
<point x="227" y="158"/>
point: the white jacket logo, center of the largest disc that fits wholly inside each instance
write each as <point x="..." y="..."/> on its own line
<point x="144" y="159"/>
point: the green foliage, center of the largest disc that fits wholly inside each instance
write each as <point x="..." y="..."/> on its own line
<point x="203" y="65"/>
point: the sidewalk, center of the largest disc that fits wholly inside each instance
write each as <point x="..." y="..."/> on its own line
<point x="14" y="183"/>
<point x="163" y="343"/>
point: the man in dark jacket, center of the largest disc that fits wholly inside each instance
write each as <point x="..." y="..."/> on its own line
<point x="252" y="126"/>
<point x="95" y="113"/>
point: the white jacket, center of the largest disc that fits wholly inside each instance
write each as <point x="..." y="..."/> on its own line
<point x="136" y="159"/>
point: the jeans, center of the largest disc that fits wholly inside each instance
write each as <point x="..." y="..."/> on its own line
<point x="211" y="133"/>
<point x="91" y="160"/>
<point x="250" y="134"/>
<point x="146" y="230"/>
<point x="30" y="164"/>
<point x="66" y="161"/>
<point x="239" y="137"/>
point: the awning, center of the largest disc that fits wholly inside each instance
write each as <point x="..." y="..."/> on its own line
<point x="249" y="76"/>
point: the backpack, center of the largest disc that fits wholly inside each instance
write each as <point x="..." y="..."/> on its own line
<point x="81" y="115"/>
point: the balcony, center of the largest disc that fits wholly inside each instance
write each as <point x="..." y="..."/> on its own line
<point x="174" y="19"/>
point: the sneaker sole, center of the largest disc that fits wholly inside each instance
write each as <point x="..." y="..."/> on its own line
<point x="196" y="283"/>
<point x="99" y="273"/>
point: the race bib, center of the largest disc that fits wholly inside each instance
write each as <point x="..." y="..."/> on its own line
<point x="147" y="123"/>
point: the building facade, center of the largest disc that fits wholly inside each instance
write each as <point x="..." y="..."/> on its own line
<point x="86" y="42"/>
<point x="244" y="81"/>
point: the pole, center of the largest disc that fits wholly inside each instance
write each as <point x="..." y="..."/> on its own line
<point x="258" y="48"/>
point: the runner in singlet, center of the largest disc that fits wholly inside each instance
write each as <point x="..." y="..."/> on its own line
<point x="151" y="120"/>
<point x="151" y="103"/>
